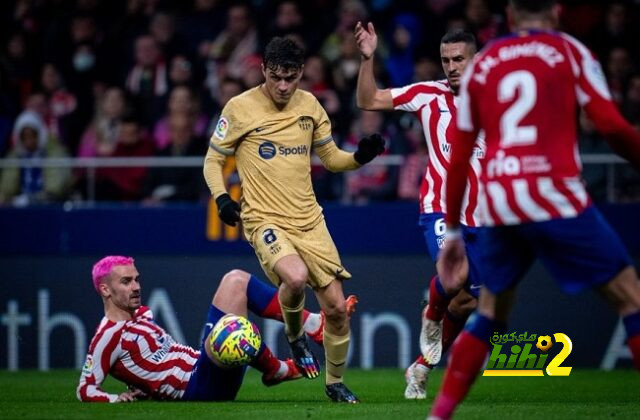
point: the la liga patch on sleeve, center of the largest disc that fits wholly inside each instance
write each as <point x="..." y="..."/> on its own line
<point x="221" y="128"/>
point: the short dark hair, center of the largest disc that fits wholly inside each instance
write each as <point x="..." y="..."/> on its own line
<point x="459" y="35"/>
<point x="532" y="6"/>
<point x="283" y="53"/>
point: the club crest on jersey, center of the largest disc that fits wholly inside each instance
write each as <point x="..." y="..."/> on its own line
<point x="88" y="365"/>
<point x="267" y="150"/>
<point x="221" y="128"/>
<point x="305" y="123"/>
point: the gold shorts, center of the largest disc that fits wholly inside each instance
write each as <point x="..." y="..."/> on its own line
<point x="314" y="246"/>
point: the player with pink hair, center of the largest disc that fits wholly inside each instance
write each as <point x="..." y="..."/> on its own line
<point x="130" y="346"/>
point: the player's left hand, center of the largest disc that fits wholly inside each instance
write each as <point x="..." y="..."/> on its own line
<point x="368" y="148"/>
<point x="131" y="395"/>
<point x="452" y="261"/>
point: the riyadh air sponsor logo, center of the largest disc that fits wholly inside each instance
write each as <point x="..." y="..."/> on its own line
<point x="268" y="150"/>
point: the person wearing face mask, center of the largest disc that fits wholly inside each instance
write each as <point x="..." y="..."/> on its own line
<point x="33" y="184"/>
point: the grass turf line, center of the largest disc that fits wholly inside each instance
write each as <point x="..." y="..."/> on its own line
<point x="585" y="393"/>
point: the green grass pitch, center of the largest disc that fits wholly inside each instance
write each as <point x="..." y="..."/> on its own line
<point x="583" y="394"/>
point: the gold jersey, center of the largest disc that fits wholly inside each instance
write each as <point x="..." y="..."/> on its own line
<point x="273" y="148"/>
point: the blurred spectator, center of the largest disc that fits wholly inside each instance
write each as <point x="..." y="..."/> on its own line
<point x="618" y="69"/>
<point x="181" y="72"/>
<point x="481" y="21"/>
<point x="238" y="40"/>
<point x="405" y="37"/>
<point x="252" y="75"/>
<point x="350" y="12"/>
<point x="631" y="105"/>
<point x="316" y="80"/>
<point x="229" y="87"/>
<point x="61" y="105"/>
<point x="411" y="174"/>
<point x="101" y="137"/>
<point x="372" y="182"/>
<point x="288" y="20"/>
<point x="181" y="102"/>
<point x="148" y="81"/>
<point x="18" y="68"/>
<point x="125" y="184"/>
<point x="163" y="30"/>
<point x="33" y="184"/>
<point x="426" y="69"/>
<point x="182" y="183"/>
<point x="616" y="29"/>
<point x="200" y="25"/>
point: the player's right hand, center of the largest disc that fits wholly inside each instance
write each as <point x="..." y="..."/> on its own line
<point x="452" y="261"/>
<point x="228" y="210"/>
<point x="366" y="39"/>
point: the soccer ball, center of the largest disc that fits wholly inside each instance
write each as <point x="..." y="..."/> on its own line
<point x="234" y="340"/>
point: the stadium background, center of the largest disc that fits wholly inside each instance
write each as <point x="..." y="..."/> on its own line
<point x="48" y="309"/>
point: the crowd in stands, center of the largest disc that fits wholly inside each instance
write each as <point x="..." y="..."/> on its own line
<point x="101" y="78"/>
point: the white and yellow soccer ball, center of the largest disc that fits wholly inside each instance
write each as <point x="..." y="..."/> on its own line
<point x="234" y="340"/>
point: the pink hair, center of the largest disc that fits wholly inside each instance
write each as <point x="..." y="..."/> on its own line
<point x="103" y="268"/>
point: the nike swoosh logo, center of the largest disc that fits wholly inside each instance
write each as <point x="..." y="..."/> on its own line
<point x="475" y="286"/>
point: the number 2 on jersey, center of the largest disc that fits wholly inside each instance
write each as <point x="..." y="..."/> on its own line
<point x="511" y="132"/>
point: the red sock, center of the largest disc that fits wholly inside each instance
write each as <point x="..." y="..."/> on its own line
<point x="266" y="362"/>
<point x="451" y="327"/>
<point x="438" y="301"/>
<point x="273" y="310"/>
<point x="465" y="363"/>
<point x="634" y="346"/>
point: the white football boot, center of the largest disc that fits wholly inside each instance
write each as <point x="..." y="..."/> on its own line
<point x="430" y="339"/>
<point x="416" y="376"/>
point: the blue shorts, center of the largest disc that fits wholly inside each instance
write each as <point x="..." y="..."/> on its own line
<point x="210" y="382"/>
<point x="434" y="230"/>
<point x="580" y="252"/>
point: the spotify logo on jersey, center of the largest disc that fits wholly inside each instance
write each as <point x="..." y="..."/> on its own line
<point x="267" y="150"/>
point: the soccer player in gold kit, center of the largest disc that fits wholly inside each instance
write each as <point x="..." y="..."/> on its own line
<point x="271" y="130"/>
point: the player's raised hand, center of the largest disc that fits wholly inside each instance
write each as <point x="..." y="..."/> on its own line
<point x="366" y="39"/>
<point x="368" y="148"/>
<point x="452" y="261"/>
<point x="228" y="210"/>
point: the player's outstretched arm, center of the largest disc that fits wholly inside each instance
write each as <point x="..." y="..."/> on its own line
<point x="337" y="160"/>
<point x="367" y="93"/>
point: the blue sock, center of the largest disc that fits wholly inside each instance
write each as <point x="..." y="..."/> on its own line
<point x="261" y="296"/>
<point x="213" y="317"/>
<point x="632" y="324"/>
<point x="483" y="327"/>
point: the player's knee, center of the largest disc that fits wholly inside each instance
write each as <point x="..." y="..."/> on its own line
<point x="336" y="312"/>
<point x="296" y="278"/>
<point x="235" y="279"/>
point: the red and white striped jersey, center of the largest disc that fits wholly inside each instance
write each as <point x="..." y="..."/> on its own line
<point x="435" y="105"/>
<point x="139" y="353"/>
<point x="523" y="91"/>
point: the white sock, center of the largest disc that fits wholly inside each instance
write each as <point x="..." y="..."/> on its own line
<point x="313" y="323"/>
<point x="282" y="371"/>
